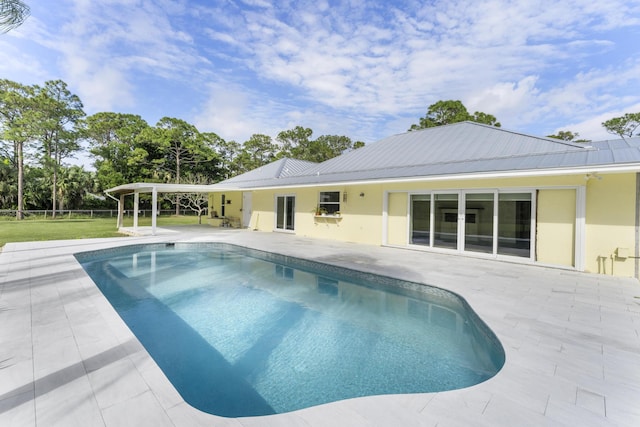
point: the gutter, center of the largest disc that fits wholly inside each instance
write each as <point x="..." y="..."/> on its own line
<point x="634" y="167"/>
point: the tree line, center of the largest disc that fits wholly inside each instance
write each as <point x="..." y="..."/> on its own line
<point x="43" y="126"/>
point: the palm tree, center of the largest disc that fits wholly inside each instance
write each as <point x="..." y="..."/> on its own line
<point x="12" y="14"/>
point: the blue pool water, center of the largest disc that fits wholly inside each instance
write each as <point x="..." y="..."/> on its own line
<point x="241" y="332"/>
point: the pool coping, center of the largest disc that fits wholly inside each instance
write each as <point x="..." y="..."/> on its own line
<point x="571" y="340"/>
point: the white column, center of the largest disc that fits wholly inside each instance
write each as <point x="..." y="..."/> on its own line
<point x="154" y="210"/>
<point x="385" y="218"/>
<point x="120" y="221"/>
<point x="581" y="234"/>
<point x="136" y="204"/>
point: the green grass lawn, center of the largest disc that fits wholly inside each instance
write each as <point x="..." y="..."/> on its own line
<point x="30" y="230"/>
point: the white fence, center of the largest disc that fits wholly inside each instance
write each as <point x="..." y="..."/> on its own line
<point x="93" y="213"/>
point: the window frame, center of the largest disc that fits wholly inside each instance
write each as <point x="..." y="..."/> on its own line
<point x="329" y="207"/>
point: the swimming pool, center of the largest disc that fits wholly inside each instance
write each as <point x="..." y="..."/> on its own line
<point x="241" y="332"/>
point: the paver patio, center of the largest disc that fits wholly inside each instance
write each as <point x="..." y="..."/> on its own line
<point x="571" y="339"/>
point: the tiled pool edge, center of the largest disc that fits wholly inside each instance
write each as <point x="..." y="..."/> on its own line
<point x="510" y="398"/>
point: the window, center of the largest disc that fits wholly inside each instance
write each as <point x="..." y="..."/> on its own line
<point x="329" y="202"/>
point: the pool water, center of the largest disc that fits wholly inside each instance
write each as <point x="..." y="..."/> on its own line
<point x="241" y="332"/>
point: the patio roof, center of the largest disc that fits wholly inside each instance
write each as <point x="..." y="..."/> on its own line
<point x="148" y="187"/>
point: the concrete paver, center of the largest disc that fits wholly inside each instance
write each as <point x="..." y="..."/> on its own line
<point x="572" y="343"/>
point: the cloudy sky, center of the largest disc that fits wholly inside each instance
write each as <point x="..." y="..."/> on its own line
<point x="365" y="69"/>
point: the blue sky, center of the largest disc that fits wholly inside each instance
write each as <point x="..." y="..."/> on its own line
<point x="365" y="69"/>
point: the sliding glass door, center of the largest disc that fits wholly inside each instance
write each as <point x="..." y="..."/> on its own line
<point x="488" y="222"/>
<point x="445" y="221"/>
<point x="420" y="219"/>
<point x="285" y="212"/>
<point x="514" y="224"/>
<point x="478" y="222"/>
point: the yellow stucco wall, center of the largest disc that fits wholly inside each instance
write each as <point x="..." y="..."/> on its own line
<point x="231" y="210"/>
<point x="263" y="206"/>
<point x="359" y="219"/>
<point x="610" y="223"/>
<point x="397" y="219"/>
<point x="555" y="231"/>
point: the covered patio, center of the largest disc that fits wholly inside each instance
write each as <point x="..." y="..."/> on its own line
<point x="120" y="192"/>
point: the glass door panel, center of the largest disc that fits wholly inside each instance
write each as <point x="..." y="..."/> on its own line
<point x="290" y="212"/>
<point x="514" y="224"/>
<point x="285" y="212"/>
<point x="421" y="219"/>
<point x="478" y="225"/>
<point x="445" y="221"/>
<point x="280" y="213"/>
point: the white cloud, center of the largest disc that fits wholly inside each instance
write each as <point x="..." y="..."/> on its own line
<point x="365" y="67"/>
<point x="106" y="87"/>
<point x="460" y="49"/>
<point x="19" y="66"/>
<point x="507" y="101"/>
<point x="104" y="46"/>
<point x="257" y="3"/>
<point x="233" y="113"/>
<point x="592" y="128"/>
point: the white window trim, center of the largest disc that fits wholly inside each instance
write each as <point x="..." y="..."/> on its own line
<point x="339" y="202"/>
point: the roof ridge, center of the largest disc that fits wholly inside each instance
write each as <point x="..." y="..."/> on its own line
<point x="484" y="125"/>
<point x="283" y="162"/>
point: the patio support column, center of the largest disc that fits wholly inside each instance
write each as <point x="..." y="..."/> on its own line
<point x="154" y="209"/>
<point x="120" y="221"/>
<point x="136" y="204"/>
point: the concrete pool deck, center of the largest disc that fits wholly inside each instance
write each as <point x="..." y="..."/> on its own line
<point x="572" y="343"/>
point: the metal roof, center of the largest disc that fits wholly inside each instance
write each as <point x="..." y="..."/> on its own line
<point x="459" y="150"/>
<point x="279" y="169"/>
<point x="456" y="150"/>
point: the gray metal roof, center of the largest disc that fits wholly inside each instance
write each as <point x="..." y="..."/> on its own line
<point x="273" y="171"/>
<point x="455" y="143"/>
<point x="453" y="150"/>
<point x="456" y="150"/>
<point x="279" y="169"/>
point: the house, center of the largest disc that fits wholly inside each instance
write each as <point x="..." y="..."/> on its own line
<point x="464" y="188"/>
